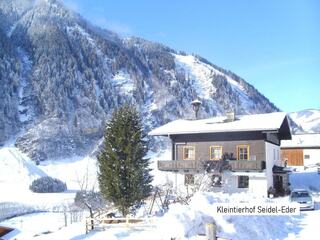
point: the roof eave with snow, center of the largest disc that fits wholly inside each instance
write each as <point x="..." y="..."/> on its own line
<point x="303" y="141"/>
<point x="167" y="133"/>
<point x="270" y="122"/>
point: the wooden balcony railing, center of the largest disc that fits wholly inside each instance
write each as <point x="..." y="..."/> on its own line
<point x="247" y="165"/>
<point x="189" y="165"/>
<point x="194" y="165"/>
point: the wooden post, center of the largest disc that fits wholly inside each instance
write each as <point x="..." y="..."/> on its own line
<point x="153" y="200"/>
<point x="65" y="218"/>
<point x="127" y="221"/>
<point x="211" y="231"/>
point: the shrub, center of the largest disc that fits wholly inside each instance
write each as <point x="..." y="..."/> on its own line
<point x="48" y="185"/>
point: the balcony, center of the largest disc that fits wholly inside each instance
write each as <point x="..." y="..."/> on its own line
<point x="190" y="165"/>
<point x="217" y="166"/>
<point x="247" y="165"/>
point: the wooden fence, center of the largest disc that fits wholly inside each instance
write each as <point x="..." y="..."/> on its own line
<point x="103" y="222"/>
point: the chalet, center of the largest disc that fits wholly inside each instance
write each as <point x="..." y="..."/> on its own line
<point x="239" y="153"/>
<point x="302" y="151"/>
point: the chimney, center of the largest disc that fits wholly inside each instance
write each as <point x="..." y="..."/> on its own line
<point x="196" y="107"/>
<point x="231" y="116"/>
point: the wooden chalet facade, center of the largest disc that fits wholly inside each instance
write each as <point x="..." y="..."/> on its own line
<point x="302" y="150"/>
<point x="241" y="153"/>
<point x="292" y="156"/>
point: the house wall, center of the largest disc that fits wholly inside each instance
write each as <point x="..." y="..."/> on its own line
<point x="178" y="180"/>
<point x="258" y="186"/>
<point x="257" y="183"/>
<point x="230" y="183"/>
<point x="202" y="149"/>
<point x="272" y="158"/>
<point x="314" y="156"/>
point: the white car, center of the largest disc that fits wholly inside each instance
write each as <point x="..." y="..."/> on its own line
<point x="303" y="197"/>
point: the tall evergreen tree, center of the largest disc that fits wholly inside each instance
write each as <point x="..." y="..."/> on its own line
<point x="124" y="173"/>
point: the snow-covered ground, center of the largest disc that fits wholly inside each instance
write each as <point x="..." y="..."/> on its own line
<point x="17" y="172"/>
<point x="180" y="222"/>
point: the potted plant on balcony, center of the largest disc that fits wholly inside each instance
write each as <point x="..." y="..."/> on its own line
<point x="228" y="156"/>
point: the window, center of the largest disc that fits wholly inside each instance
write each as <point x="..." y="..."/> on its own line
<point x="188" y="179"/>
<point x="243" y="152"/>
<point x="215" y="152"/>
<point x="243" y="181"/>
<point x="188" y="153"/>
<point x="216" y="180"/>
<point x="307" y="156"/>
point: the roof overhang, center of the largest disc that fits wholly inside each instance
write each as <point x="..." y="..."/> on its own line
<point x="168" y="133"/>
<point x="302" y="141"/>
<point x="266" y="123"/>
<point x="285" y="130"/>
<point x="300" y="147"/>
<point x="280" y="170"/>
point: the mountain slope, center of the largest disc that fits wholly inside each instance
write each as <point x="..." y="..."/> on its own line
<point x="64" y="77"/>
<point x="307" y="121"/>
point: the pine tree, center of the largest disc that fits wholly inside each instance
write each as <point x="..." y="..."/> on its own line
<point x="124" y="173"/>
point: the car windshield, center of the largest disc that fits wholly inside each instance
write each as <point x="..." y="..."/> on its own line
<point x="300" y="194"/>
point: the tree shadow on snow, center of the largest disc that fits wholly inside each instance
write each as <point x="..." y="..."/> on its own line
<point x="84" y="236"/>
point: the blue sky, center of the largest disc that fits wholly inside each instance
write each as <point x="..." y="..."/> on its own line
<point x="274" y="45"/>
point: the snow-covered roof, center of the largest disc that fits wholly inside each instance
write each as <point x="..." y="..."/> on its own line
<point x="11" y="234"/>
<point x="255" y="122"/>
<point x="302" y="141"/>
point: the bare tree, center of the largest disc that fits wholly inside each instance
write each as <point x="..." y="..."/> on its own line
<point x="87" y="197"/>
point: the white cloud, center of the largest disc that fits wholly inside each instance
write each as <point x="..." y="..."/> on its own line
<point x="102" y="22"/>
<point x="117" y="27"/>
<point x="73" y="5"/>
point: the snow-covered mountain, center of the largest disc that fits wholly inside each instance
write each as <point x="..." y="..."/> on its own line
<point x="307" y="121"/>
<point x="61" y="77"/>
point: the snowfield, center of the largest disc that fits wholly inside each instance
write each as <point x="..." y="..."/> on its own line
<point x="201" y="74"/>
<point x="308" y="120"/>
<point x="47" y="219"/>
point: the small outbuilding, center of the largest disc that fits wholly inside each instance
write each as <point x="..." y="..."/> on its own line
<point x="302" y="150"/>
